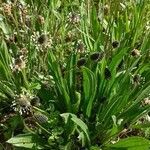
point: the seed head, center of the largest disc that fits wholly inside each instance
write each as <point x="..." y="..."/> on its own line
<point x="22" y="105"/>
<point x="96" y="56"/>
<point x="23" y="51"/>
<point x="43" y="39"/>
<point x="120" y="65"/>
<point x="146" y="101"/>
<point x="80" y="47"/>
<point x="137" y="79"/>
<point x="7" y="9"/>
<point x="107" y="74"/>
<point x="23" y="101"/>
<point x="40" y="118"/>
<point x="115" y="44"/>
<point x="69" y="36"/>
<point x="22" y="55"/>
<point x="135" y="53"/>
<point x="74" y="18"/>
<point x="19" y="64"/>
<point x="81" y="62"/>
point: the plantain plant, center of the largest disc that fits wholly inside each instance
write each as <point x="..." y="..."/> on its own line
<point x="74" y="75"/>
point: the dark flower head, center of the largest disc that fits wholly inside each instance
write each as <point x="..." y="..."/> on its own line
<point x="40" y="118"/>
<point x="35" y="101"/>
<point x="18" y="61"/>
<point x="137" y="79"/>
<point x="107" y="74"/>
<point x="115" y="44"/>
<point x="81" y="62"/>
<point x="74" y="18"/>
<point x="69" y="37"/>
<point x="96" y="56"/>
<point x="135" y="53"/>
<point x="43" y="39"/>
<point x="80" y="46"/>
<point x="22" y="105"/>
<point x="18" y="64"/>
<point x="120" y="65"/>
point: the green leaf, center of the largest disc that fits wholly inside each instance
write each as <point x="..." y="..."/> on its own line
<point x="6" y="89"/>
<point x="75" y="106"/>
<point x="78" y="122"/>
<point x="4" y="27"/>
<point x="90" y="87"/>
<point x="34" y="86"/>
<point x="95" y="148"/>
<point x="22" y="140"/>
<point x="132" y="143"/>
<point x="82" y="125"/>
<point x="59" y="81"/>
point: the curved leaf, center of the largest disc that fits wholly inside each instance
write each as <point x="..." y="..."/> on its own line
<point x="132" y="143"/>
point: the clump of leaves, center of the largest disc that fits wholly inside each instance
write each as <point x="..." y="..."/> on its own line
<point x="64" y="84"/>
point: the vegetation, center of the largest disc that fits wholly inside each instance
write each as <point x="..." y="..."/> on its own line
<point x="75" y="74"/>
